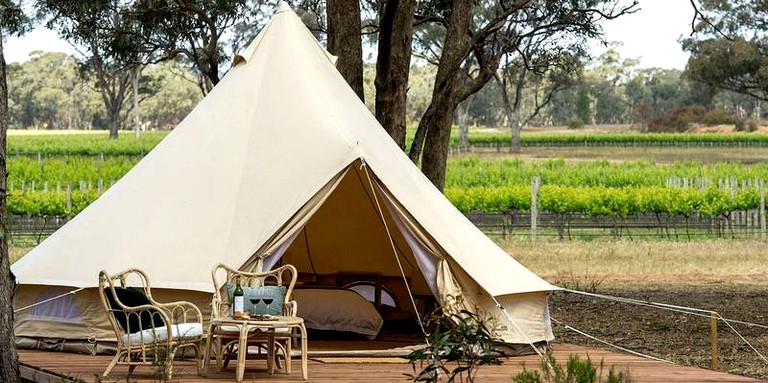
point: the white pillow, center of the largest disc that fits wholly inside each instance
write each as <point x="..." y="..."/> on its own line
<point x="338" y="310"/>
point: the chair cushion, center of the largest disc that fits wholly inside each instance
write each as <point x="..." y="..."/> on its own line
<point x="234" y="330"/>
<point x="132" y="297"/>
<point x="180" y="331"/>
<point x="254" y="301"/>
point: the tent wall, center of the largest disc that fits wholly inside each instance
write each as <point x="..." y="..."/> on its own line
<point x="77" y="322"/>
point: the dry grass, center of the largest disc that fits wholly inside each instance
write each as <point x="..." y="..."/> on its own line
<point x="652" y="154"/>
<point x="15" y="253"/>
<point x="616" y="263"/>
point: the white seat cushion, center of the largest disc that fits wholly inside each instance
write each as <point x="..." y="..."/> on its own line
<point x="234" y="330"/>
<point x="180" y="331"/>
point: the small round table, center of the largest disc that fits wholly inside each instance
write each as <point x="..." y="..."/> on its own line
<point x="267" y="326"/>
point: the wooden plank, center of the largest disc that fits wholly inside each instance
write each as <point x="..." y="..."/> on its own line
<point x="41" y="365"/>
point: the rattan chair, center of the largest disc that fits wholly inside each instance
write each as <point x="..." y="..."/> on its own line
<point x="148" y="332"/>
<point x="226" y="337"/>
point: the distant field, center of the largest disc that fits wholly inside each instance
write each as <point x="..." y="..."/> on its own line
<point x="607" y="263"/>
<point x="22" y="132"/>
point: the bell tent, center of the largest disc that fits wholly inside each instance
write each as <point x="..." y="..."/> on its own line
<point x="281" y="162"/>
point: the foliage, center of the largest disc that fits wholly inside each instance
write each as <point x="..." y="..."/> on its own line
<point x="595" y="188"/>
<point x="90" y="144"/>
<point x="48" y="92"/>
<point x="459" y="343"/>
<point x="575" y="123"/>
<point x="192" y="30"/>
<point x="678" y="120"/>
<point x="730" y="63"/>
<point x="745" y="126"/>
<point x="576" y="370"/>
<point x="718" y="117"/>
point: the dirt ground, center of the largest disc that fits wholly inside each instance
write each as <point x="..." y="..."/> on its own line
<point x="677" y="337"/>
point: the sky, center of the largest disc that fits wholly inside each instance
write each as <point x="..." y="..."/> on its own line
<point x="650" y="34"/>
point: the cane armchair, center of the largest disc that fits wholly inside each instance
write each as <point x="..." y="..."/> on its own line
<point x="148" y="332"/>
<point x="226" y="337"/>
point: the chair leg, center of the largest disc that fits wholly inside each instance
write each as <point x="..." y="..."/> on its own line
<point x="112" y="365"/>
<point x="170" y="354"/>
<point x="288" y="356"/>
<point x="198" y="359"/>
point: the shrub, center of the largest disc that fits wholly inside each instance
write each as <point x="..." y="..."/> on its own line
<point x="458" y="343"/>
<point x="719" y="116"/>
<point x="745" y="126"/>
<point x="576" y="370"/>
<point x="575" y="123"/>
<point x="677" y="120"/>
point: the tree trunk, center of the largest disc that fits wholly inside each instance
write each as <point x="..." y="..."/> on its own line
<point x="345" y="42"/>
<point x="435" y="126"/>
<point x="438" y="118"/>
<point x="136" y="120"/>
<point x="516" y="127"/>
<point x="462" y="113"/>
<point x="9" y="362"/>
<point x="462" y="117"/>
<point x="393" y="66"/>
<point x="114" y="121"/>
<point x="512" y="106"/>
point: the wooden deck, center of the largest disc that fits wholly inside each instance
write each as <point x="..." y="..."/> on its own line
<point x="49" y="367"/>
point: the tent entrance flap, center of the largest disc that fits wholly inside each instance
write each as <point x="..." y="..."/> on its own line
<point x="273" y="249"/>
<point x="346" y="228"/>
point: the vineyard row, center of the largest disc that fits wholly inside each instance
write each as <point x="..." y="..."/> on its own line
<point x="100" y="144"/>
<point x="719" y="199"/>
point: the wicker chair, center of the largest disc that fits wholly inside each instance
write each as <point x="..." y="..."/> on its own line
<point x="148" y="332"/>
<point x="226" y="337"/>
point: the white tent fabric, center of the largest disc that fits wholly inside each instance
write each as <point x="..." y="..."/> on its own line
<point x="280" y="127"/>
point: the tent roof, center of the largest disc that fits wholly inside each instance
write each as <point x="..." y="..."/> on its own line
<point x="278" y="127"/>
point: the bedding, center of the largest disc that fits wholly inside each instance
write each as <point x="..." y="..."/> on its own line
<point x="338" y="310"/>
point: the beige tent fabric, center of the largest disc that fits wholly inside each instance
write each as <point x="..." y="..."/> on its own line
<point x="79" y="316"/>
<point x="275" y="148"/>
<point x="297" y="222"/>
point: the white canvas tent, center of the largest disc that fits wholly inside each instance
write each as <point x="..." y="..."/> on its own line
<point x="281" y="159"/>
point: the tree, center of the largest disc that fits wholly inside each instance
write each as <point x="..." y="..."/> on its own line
<point x="109" y="61"/>
<point x="393" y="66"/>
<point x="483" y="32"/>
<point x="177" y="95"/>
<point x="729" y="49"/>
<point x="194" y="30"/>
<point x="12" y="21"/>
<point x="733" y="64"/>
<point x="345" y="42"/>
<point x="46" y="92"/>
<point x="536" y="75"/>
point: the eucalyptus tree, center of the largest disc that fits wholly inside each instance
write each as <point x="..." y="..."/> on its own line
<point x="47" y="92"/>
<point x="98" y="31"/>
<point x="345" y="41"/>
<point x="730" y="49"/>
<point x="529" y="80"/>
<point x="393" y="62"/>
<point x="608" y="76"/>
<point x="193" y="30"/>
<point x="12" y="22"/>
<point x="730" y="63"/>
<point x="483" y="32"/>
